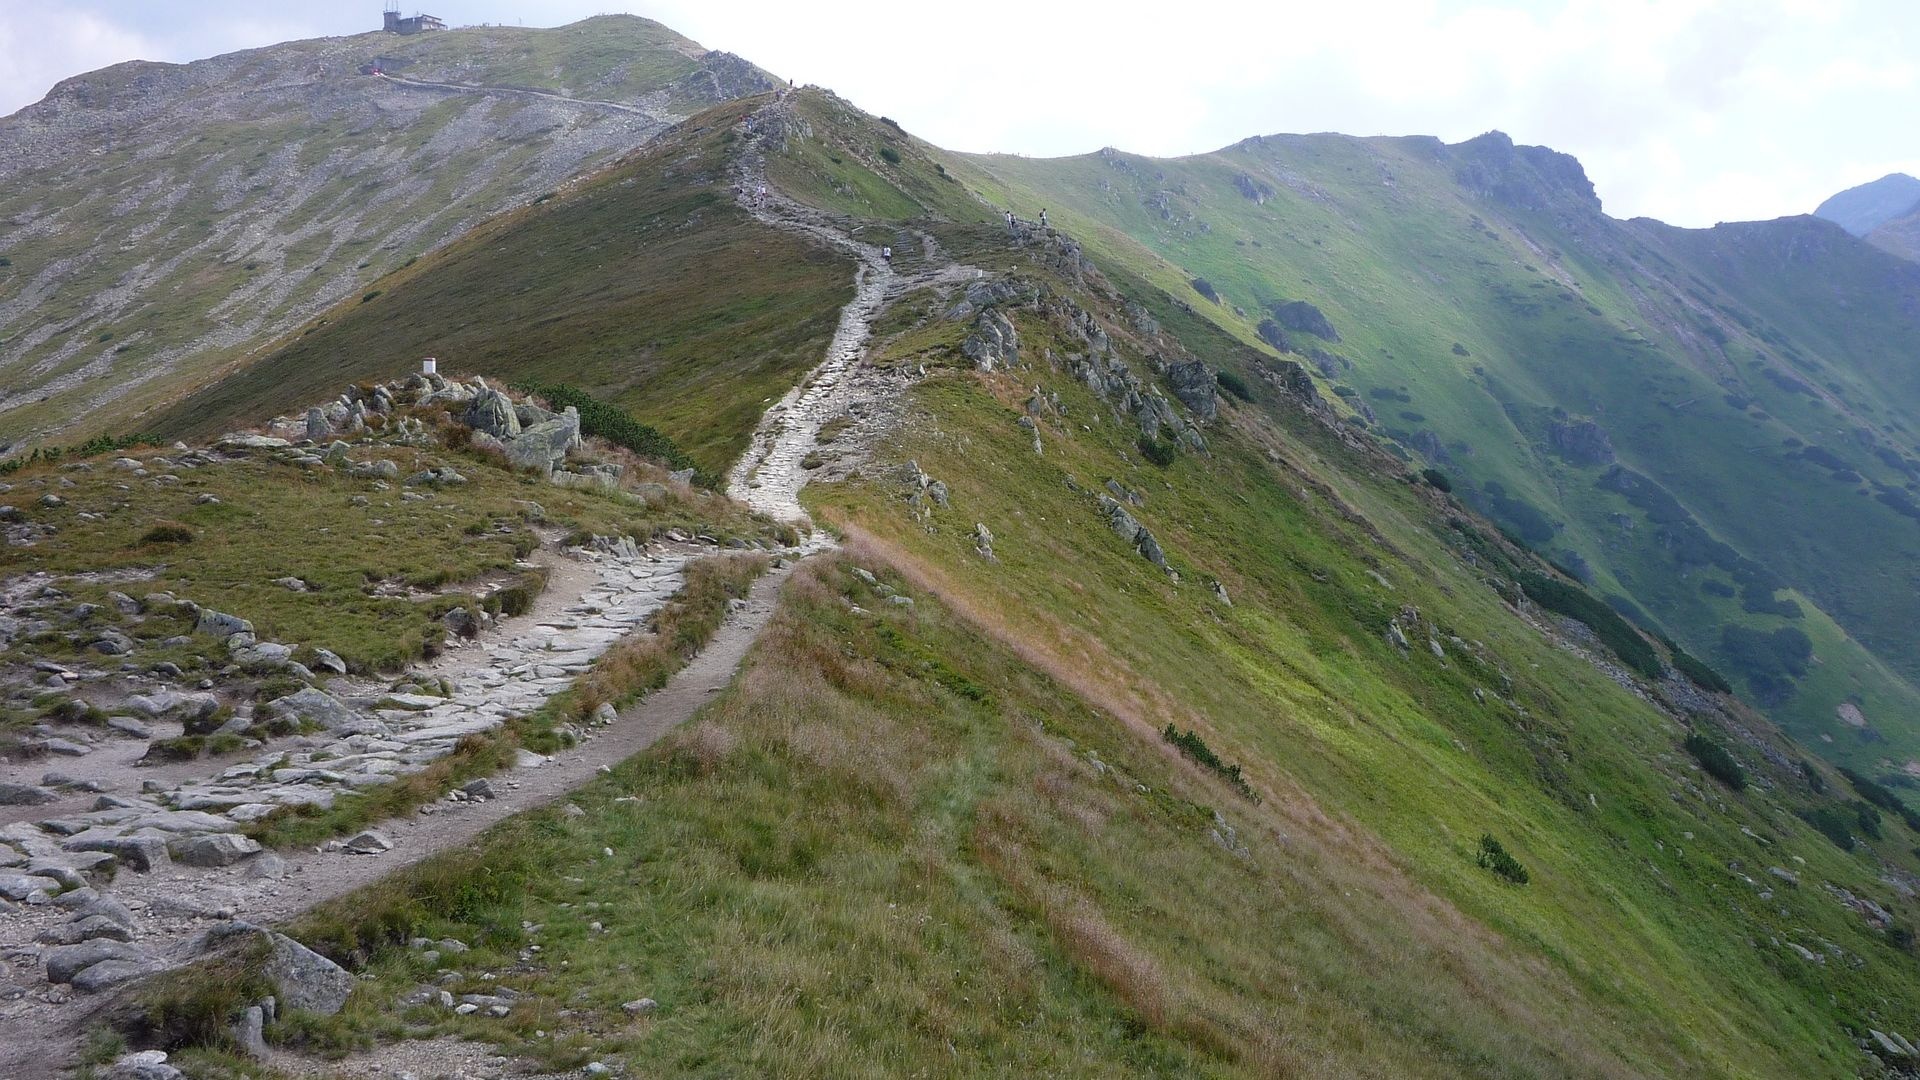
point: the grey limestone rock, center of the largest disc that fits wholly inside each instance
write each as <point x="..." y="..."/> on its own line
<point x="544" y="446"/>
<point x="1196" y="386"/>
<point x="25" y="795"/>
<point x="492" y="413"/>
<point x="303" y="979"/>
<point x="64" y="962"/>
<point x="314" y="706"/>
<point x="212" y="849"/>
<point x="219" y="624"/>
<point x="142" y="853"/>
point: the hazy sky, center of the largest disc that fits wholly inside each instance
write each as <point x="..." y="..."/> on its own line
<point x="1693" y="111"/>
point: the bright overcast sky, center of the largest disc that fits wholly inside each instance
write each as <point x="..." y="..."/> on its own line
<point x="1693" y="111"/>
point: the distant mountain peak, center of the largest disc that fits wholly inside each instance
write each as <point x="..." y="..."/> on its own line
<point x="1862" y="209"/>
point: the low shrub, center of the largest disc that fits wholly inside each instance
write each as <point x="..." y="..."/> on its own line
<point x="1493" y="856"/>
<point x="1205" y="288"/>
<point x="1195" y="749"/>
<point x="1696" y="670"/>
<point x="889" y="155"/>
<point x="1717" y="762"/>
<point x="1880" y="796"/>
<point x="1436" y="479"/>
<point x="1156" y="451"/>
<point x="618" y="427"/>
<point x="1832" y="824"/>
<point x="1606" y="624"/>
<point x="1234" y="384"/>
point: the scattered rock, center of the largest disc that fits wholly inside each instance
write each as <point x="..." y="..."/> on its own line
<point x="369" y="842"/>
<point x="314" y="706"/>
<point x="67" y="961"/>
<point x="543" y="447"/>
<point x="142" y="853"/>
<point x="145" y="1065"/>
<point x="212" y="849"/>
<point x="492" y="413"/>
<point x="25" y="795"/>
<point x="640" y="1007"/>
<point x="377" y="469"/>
<point x="219" y="624"/>
<point x="983" y="541"/>
<point x="248" y="1033"/>
<point x="21" y="886"/>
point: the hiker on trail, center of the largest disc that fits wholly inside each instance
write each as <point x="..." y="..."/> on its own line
<point x="763" y="193"/>
<point x="1043" y="217"/>
<point x="1009" y="219"/>
<point x="886" y="252"/>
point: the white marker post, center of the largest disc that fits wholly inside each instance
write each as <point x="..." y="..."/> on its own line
<point x="429" y="366"/>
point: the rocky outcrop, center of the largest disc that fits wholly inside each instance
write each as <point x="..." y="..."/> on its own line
<point x="1303" y="317"/>
<point x="490" y="411"/>
<point x="1522" y="177"/>
<point x="1128" y="528"/>
<point x="994" y="344"/>
<point x="544" y="446"/>
<point x="1195" y="384"/>
<point x="1583" y="442"/>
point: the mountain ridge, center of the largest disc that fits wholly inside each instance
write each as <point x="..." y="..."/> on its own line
<point x="209" y="205"/>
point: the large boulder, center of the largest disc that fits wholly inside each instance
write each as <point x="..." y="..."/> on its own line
<point x="1304" y="317"/>
<point x="317" y="707"/>
<point x="25" y="795"/>
<point x="213" y="849"/>
<point x="491" y="412"/>
<point x="221" y="625"/>
<point x="544" y="446"/>
<point x="142" y="853"/>
<point x="64" y="962"/>
<point x="171" y="705"/>
<point x="302" y="978"/>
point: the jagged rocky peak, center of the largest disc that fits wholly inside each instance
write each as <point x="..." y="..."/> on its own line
<point x="1522" y="177"/>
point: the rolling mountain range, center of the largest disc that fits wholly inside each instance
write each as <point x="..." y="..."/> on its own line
<point x="1328" y="606"/>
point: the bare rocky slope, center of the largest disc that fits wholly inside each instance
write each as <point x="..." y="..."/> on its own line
<point x="158" y="221"/>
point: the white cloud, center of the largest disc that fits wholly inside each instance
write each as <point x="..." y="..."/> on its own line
<point x="36" y="51"/>
<point x="1689" y="110"/>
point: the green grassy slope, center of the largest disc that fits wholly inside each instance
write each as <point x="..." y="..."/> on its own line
<point x="950" y="837"/>
<point x="644" y="284"/>
<point x="1486" y="311"/>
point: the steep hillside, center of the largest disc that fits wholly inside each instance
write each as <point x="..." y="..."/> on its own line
<point x="1153" y="719"/>
<point x="1901" y="236"/>
<point x="158" y="221"/>
<point x="1860" y="210"/>
<point x="1715" y="429"/>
